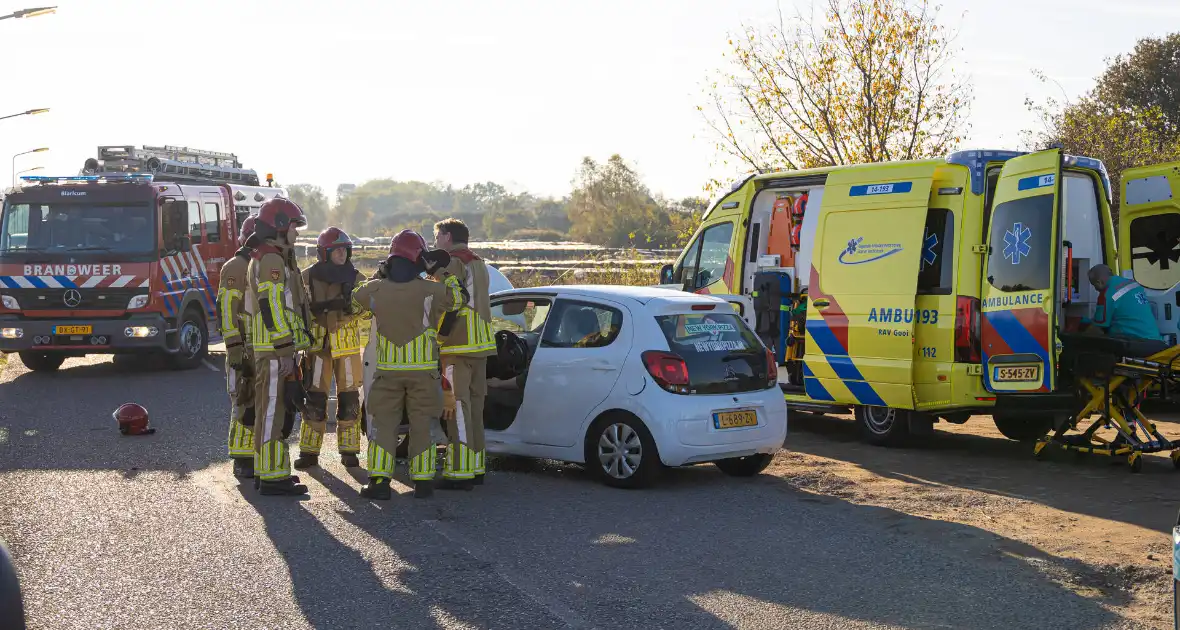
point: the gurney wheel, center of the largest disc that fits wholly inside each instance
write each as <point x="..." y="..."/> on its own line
<point x="1135" y="459"/>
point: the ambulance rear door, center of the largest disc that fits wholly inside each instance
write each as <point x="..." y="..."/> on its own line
<point x="1019" y="319"/>
<point x="863" y="285"/>
<point x="1149" y="238"/>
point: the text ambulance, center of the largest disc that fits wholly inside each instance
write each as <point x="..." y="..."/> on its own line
<point x="124" y="258"/>
<point x="909" y="292"/>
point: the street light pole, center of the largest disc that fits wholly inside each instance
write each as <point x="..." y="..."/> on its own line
<point x="30" y="170"/>
<point x="20" y="154"/>
<point x="28" y="13"/>
<point x="27" y="113"/>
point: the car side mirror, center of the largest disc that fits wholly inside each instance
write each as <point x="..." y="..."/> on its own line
<point x="667" y="270"/>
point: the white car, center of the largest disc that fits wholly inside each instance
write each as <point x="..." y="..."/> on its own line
<point x="628" y="380"/>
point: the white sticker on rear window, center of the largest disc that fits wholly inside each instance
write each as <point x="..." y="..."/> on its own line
<point x="709" y="328"/>
<point x="719" y="346"/>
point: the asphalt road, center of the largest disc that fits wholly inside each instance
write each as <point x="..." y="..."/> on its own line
<point x="154" y="532"/>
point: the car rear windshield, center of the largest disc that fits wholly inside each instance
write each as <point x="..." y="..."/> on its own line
<point x="1021" y="245"/>
<point x="722" y="354"/>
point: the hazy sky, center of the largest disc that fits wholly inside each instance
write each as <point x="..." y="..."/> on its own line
<point x="509" y="91"/>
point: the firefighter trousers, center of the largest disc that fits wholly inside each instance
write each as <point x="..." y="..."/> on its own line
<point x="469" y="382"/>
<point x="241" y="416"/>
<point x="272" y="461"/>
<point x="419" y="394"/>
<point x="320" y="371"/>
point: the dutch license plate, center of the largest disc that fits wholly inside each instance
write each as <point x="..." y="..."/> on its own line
<point x="1017" y="373"/>
<point x="734" y="419"/>
<point x="72" y="330"/>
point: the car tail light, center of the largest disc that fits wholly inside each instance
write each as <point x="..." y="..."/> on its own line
<point x="967" y="318"/>
<point x="668" y="370"/>
<point x="771" y="369"/>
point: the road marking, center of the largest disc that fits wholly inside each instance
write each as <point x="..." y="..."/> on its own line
<point x="210" y="365"/>
<point x="551" y="604"/>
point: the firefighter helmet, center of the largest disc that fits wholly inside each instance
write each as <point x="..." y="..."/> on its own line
<point x="276" y="216"/>
<point x="247" y="229"/>
<point x="331" y="239"/>
<point x="407" y="244"/>
<point x="132" y="419"/>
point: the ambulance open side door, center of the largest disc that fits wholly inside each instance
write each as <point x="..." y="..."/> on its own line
<point x="1020" y="281"/>
<point x="1149" y="239"/>
<point x="863" y="285"/>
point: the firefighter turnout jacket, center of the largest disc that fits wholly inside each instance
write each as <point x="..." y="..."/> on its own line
<point x="469" y="331"/>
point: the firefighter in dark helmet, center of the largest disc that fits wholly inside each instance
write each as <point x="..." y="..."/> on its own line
<point x="335" y="353"/>
<point x="276" y="303"/>
<point x="406" y="305"/>
<point x="239" y="363"/>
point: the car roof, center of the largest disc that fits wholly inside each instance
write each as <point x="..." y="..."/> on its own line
<point x="643" y="295"/>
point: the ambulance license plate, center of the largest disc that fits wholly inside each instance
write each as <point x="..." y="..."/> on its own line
<point x="1017" y="373"/>
<point x="72" y="330"/>
<point x="735" y="419"/>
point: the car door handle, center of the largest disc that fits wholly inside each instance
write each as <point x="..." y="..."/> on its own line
<point x="820" y="303"/>
<point x="603" y="367"/>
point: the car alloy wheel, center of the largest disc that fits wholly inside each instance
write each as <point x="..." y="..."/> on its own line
<point x="620" y="451"/>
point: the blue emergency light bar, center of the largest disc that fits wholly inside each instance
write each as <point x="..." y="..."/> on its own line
<point x="143" y="177"/>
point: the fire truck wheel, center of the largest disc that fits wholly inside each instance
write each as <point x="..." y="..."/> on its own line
<point x="42" y="361"/>
<point x="883" y="426"/>
<point x="193" y="340"/>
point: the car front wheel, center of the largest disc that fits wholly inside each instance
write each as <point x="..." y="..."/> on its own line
<point x="621" y="452"/>
<point x="745" y="466"/>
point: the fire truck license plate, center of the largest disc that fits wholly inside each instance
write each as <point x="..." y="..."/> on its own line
<point x="1017" y="373"/>
<point x="72" y="330"/>
<point x="733" y="419"/>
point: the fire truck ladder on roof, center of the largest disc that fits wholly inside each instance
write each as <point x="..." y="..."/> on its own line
<point x="172" y="164"/>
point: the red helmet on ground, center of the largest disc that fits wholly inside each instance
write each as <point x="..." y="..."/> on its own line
<point x="132" y="419"/>
<point x="331" y="239"/>
<point x="407" y="244"/>
<point x="247" y="229"/>
<point x="276" y="216"/>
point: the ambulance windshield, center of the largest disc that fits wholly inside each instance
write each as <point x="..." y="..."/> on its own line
<point x="67" y="228"/>
<point x="1020" y="244"/>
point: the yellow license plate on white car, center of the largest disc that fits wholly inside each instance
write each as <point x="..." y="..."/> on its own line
<point x="1017" y="374"/>
<point x="735" y="419"/>
<point x="72" y="330"/>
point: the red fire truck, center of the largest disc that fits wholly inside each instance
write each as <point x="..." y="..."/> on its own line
<point x="124" y="258"/>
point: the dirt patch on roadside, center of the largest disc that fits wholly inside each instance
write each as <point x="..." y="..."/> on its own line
<point x="1087" y="523"/>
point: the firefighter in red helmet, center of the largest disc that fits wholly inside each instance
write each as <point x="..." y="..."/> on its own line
<point x="234" y="324"/>
<point x="276" y="304"/>
<point x="335" y="352"/>
<point x="132" y="419"/>
<point x="406" y="305"/>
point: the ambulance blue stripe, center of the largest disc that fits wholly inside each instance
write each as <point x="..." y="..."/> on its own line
<point x="842" y="365"/>
<point x="65" y="282"/>
<point x="1036" y="181"/>
<point x="845" y="369"/>
<point x="1018" y="338"/>
<point x="816" y="391"/>
<point x="807" y="370"/>
<point x="865" y="394"/>
<point x="37" y="282"/>
<point x="825" y="338"/>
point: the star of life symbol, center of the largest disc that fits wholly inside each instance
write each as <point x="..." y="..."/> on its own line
<point x="851" y="249"/>
<point x="928" y="255"/>
<point x="1016" y="242"/>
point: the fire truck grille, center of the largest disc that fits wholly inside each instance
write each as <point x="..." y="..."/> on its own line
<point x="74" y="299"/>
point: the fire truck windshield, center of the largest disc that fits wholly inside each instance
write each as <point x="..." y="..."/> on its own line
<point x="68" y="227"/>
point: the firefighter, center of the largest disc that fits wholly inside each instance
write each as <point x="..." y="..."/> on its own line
<point x="235" y="331"/>
<point x="405" y="305"/>
<point x="466" y="340"/>
<point x="335" y="353"/>
<point x="276" y="306"/>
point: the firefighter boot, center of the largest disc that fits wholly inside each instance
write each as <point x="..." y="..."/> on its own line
<point x="283" y="487"/>
<point x="423" y="488"/>
<point x="306" y="460"/>
<point x="244" y="467"/>
<point x="377" y="488"/>
<point x="350" y="460"/>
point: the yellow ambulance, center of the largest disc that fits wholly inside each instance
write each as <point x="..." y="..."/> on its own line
<point x="912" y="292"/>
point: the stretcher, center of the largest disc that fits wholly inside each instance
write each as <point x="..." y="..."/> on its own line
<point x="1111" y="384"/>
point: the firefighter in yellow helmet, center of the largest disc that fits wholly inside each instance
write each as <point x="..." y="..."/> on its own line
<point x="466" y="340"/>
<point x="335" y="353"/>
<point x="239" y="368"/>
<point x="277" y="305"/>
<point x="406" y="305"/>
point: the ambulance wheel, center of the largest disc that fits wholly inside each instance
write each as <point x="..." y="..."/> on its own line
<point x="192" y="340"/>
<point x="1022" y="428"/>
<point x="883" y="426"/>
<point x="41" y="361"/>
